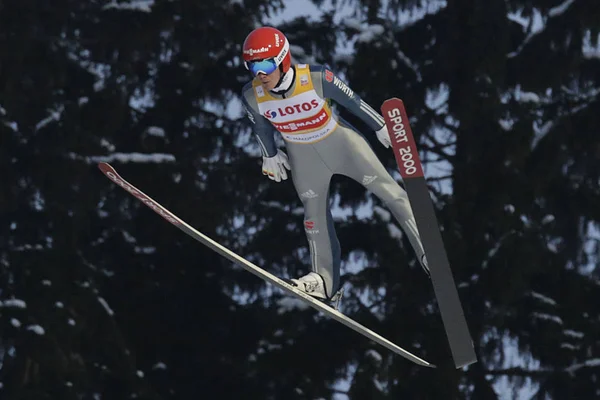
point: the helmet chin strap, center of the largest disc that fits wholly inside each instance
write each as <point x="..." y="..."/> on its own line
<point x="285" y="81"/>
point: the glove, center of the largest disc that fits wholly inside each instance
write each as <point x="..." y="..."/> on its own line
<point x="274" y="167"/>
<point x="384" y="137"/>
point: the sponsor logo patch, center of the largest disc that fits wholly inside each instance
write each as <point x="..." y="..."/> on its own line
<point x="316" y="121"/>
<point x="304" y="80"/>
<point x="343" y="87"/>
<point x="270" y="114"/>
<point x="309" y="194"/>
<point x="367" y="179"/>
<point x="310" y="227"/>
<point x="294" y="108"/>
<point x="252" y="52"/>
<point x="328" y="75"/>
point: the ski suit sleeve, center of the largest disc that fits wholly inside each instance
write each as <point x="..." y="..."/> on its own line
<point x="262" y="128"/>
<point x="329" y="86"/>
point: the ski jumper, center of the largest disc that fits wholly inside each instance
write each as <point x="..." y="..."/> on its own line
<point x="320" y="144"/>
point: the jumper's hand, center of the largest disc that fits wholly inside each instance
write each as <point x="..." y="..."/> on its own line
<point x="274" y="167"/>
<point x="384" y="137"/>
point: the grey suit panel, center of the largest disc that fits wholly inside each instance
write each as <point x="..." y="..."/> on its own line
<point x="345" y="152"/>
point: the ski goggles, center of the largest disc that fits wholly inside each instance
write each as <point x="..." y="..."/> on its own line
<point x="265" y="66"/>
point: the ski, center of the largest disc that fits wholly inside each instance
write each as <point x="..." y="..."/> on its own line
<point x="112" y="174"/>
<point x="409" y="163"/>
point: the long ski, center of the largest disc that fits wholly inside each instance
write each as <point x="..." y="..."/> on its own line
<point x="112" y="174"/>
<point x="409" y="163"/>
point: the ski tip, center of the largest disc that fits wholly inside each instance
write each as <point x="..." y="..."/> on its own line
<point x="105" y="167"/>
<point x="418" y="360"/>
<point x="393" y="99"/>
<point x="423" y="363"/>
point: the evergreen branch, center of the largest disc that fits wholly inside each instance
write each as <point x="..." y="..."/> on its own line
<point x="516" y="371"/>
<point x="439" y="178"/>
<point x="437" y="149"/>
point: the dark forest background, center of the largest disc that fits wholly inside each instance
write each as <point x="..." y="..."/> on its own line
<point x="102" y="299"/>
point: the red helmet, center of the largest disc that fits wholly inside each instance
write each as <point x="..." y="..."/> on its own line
<point x="268" y="43"/>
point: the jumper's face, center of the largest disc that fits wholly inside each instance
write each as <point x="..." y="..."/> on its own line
<point x="270" y="81"/>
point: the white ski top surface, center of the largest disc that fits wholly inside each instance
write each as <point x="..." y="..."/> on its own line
<point x="112" y="174"/>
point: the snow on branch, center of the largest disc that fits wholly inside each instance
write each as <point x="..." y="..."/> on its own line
<point x="106" y="307"/>
<point x="126" y="157"/>
<point x="287" y="304"/>
<point x="548" y="317"/>
<point x="592" y="362"/>
<point x="495" y="248"/>
<point x="370" y="33"/>
<point x="588" y="50"/>
<point x="37" y="329"/>
<point x="560" y="9"/>
<point x="405" y="17"/>
<point x="574" y="334"/>
<point x="516" y="371"/>
<point x="536" y="24"/>
<point x="53" y="115"/>
<point x="542" y="128"/>
<point x="134" y="5"/>
<point x="13" y="303"/>
<point x="542" y="298"/>
<point x="408" y="62"/>
<point x="579" y="99"/>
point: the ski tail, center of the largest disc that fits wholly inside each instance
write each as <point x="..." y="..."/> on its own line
<point x="409" y="164"/>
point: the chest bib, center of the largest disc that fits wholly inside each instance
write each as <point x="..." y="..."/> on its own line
<point x="302" y="117"/>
